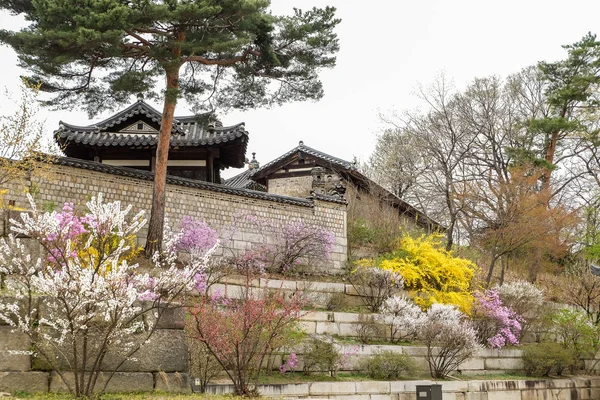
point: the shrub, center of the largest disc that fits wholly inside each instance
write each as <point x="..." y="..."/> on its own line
<point x="524" y="299"/>
<point x="541" y="359"/>
<point x="321" y="355"/>
<point x="433" y="273"/>
<point x="241" y="333"/>
<point x="449" y="337"/>
<point x="496" y="324"/>
<point x="294" y="243"/>
<point x="403" y="317"/>
<point x="388" y="365"/>
<point x="577" y="334"/>
<point x="336" y="302"/>
<point x="375" y="285"/>
<point x="367" y="329"/>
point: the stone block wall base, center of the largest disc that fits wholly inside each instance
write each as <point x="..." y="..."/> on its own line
<point x="172" y="382"/>
<point x="121" y="382"/>
<point x="30" y="382"/>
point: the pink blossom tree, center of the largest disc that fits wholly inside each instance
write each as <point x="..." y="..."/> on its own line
<point x="496" y="324"/>
<point x="83" y="301"/>
<point x="240" y="332"/>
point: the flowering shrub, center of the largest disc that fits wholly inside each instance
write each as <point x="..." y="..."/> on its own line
<point x="375" y="285"/>
<point x="496" y="324"/>
<point x="434" y="274"/>
<point x="403" y="317"/>
<point x="241" y="332"/>
<point x="294" y="243"/>
<point x="95" y="301"/>
<point x="449" y="337"/>
<point x="290" y="364"/>
<point x="524" y="299"/>
<point x="195" y="237"/>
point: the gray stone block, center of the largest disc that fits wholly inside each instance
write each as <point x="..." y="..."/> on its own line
<point x="121" y="382"/>
<point x="14" y="341"/>
<point x="373" y="387"/>
<point x="22" y="303"/>
<point x="327" y="388"/>
<point x="172" y="318"/>
<point x="30" y="382"/>
<point x="166" y="351"/>
<point x="172" y="382"/>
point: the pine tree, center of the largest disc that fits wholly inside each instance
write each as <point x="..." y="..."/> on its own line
<point x="214" y="53"/>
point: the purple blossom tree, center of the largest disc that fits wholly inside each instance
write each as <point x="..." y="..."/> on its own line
<point x="292" y="244"/>
<point x="496" y="324"/>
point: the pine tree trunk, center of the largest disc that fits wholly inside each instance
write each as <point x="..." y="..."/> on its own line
<point x="157" y="214"/>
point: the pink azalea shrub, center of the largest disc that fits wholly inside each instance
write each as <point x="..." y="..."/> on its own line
<point x="496" y="324"/>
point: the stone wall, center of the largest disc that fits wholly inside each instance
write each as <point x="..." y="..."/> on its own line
<point x="224" y="209"/>
<point x="299" y="186"/>
<point x="561" y="389"/>
<point x="161" y="364"/>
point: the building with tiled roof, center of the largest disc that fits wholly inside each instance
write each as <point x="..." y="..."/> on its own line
<point x="200" y="145"/>
<point x="306" y="172"/>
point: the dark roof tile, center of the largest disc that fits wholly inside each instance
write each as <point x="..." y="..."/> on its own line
<point x="187" y="131"/>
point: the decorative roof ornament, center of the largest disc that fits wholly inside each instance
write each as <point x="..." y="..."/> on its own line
<point x="140" y="96"/>
<point x="254" y="164"/>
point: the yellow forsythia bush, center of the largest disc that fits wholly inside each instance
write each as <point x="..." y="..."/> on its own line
<point x="433" y="274"/>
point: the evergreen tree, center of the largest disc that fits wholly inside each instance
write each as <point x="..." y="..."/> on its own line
<point x="214" y="53"/>
<point x="572" y="87"/>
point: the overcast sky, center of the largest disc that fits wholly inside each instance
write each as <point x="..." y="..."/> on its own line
<point x="388" y="47"/>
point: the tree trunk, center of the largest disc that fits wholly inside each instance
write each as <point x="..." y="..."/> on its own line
<point x="157" y="214"/>
<point x="490" y="274"/>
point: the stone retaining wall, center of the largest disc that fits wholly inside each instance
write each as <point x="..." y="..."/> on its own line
<point x="161" y="364"/>
<point x="224" y="209"/>
<point x="560" y="389"/>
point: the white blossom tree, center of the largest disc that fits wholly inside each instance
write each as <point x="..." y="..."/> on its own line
<point x="83" y="302"/>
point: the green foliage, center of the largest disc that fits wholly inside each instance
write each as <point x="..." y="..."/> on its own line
<point x="542" y="359"/>
<point x="388" y="365"/>
<point x="577" y="334"/>
<point x="321" y="355"/>
<point x="431" y="272"/>
<point x="97" y="53"/>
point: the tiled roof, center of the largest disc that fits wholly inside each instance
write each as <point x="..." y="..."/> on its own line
<point x="195" y="130"/>
<point x="244" y="181"/>
<point x="313" y="152"/>
<point x="349" y="170"/>
<point x="149" y="176"/>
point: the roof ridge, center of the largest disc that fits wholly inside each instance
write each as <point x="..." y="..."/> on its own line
<point x="314" y="152"/>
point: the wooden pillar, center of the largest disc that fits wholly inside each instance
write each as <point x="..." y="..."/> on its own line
<point x="210" y="172"/>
